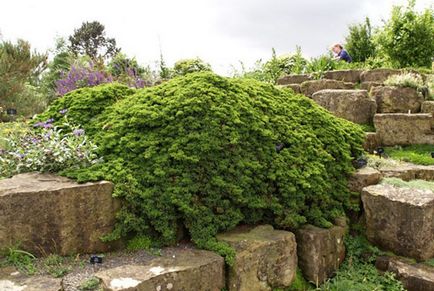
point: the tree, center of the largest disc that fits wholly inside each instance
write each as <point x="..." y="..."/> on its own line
<point x="18" y="66"/>
<point x="62" y="60"/>
<point x="90" y="39"/>
<point x="359" y="42"/>
<point x="407" y="38"/>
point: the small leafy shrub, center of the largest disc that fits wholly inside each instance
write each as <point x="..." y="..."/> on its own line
<point x="55" y="266"/>
<point x="207" y="153"/>
<point x="416" y="154"/>
<point x="359" y="42"/>
<point x="414" y="184"/>
<point x="47" y="150"/>
<point x="188" y="66"/>
<point x="411" y="80"/>
<point x="276" y="67"/>
<point x="358" y="272"/>
<point x="377" y="163"/>
<point x="407" y="38"/>
<point x="22" y="260"/>
<point x="318" y="66"/>
<point x="90" y="284"/>
<point x="139" y="243"/>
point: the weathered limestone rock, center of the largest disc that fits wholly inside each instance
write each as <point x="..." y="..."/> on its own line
<point x="409" y="172"/>
<point x="265" y="258"/>
<point x="310" y="87"/>
<point x="362" y="178"/>
<point x="11" y="280"/>
<point x="293" y="79"/>
<point x="52" y="214"/>
<point x="404" y="129"/>
<point x="371" y="142"/>
<point x="369" y="85"/>
<point x="400" y="220"/>
<point x="294" y="87"/>
<point x="320" y="251"/>
<point x="428" y="107"/>
<point x="352" y="76"/>
<point x="414" y="277"/>
<point x="186" y="270"/>
<point x="377" y="75"/>
<point x="397" y="99"/>
<point x="353" y="105"/>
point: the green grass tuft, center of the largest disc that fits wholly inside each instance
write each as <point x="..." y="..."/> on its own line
<point x="416" y="154"/>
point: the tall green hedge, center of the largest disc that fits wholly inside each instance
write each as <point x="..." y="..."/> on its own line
<point x="206" y="153"/>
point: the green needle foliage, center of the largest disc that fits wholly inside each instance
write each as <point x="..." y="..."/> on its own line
<point x="200" y="152"/>
<point x="83" y="106"/>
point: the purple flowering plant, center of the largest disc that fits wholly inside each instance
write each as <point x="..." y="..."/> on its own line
<point x="80" y="76"/>
<point x="45" y="148"/>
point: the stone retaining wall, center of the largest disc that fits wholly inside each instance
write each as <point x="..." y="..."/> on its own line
<point x="51" y="214"/>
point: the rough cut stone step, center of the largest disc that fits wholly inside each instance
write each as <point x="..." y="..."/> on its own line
<point x="377" y="75"/>
<point x="404" y="129"/>
<point x="52" y="214"/>
<point x="310" y="87"/>
<point x="11" y="280"/>
<point x="397" y="99"/>
<point x="362" y="178"/>
<point x="265" y="258"/>
<point x="409" y="172"/>
<point x="352" y="76"/>
<point x="293" y="79"/>
<point x="320" y="251"/>
<point x="353" y="105"/>
<point x="400" y="220"/>
<point x="186" y="270"/>
<point x="414" y="277"/>
<point x="428" y="107"/>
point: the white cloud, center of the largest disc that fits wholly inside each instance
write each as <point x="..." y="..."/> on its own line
<point x="219" y="31"/>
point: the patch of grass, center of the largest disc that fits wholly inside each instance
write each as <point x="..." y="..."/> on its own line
<point x="56" y="266"/>
<point x="416" y="154"/>
<point x="300" y="283"/>
<point x="22" y="260"/>
<point x="414" y="184"/>
<point x="429" y="262"/>
<point x="358" y="272"/>
<point x="89" y="284"/>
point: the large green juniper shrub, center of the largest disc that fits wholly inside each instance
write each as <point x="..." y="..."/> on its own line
<point x="206" y="153"/>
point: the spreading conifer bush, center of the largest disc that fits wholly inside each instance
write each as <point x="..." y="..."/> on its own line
<point x="83" y="106"/>
<point x="205" y="153"/>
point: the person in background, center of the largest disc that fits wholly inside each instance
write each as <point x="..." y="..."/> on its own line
<point x="341" y="54"/>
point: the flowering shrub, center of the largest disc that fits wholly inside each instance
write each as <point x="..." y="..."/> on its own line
<point x="45" y="149"/>
<point x="405" y="80"/>
<point x="81" y="76"/>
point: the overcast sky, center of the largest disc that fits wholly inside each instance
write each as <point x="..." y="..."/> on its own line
<point x="222" y="32"/>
